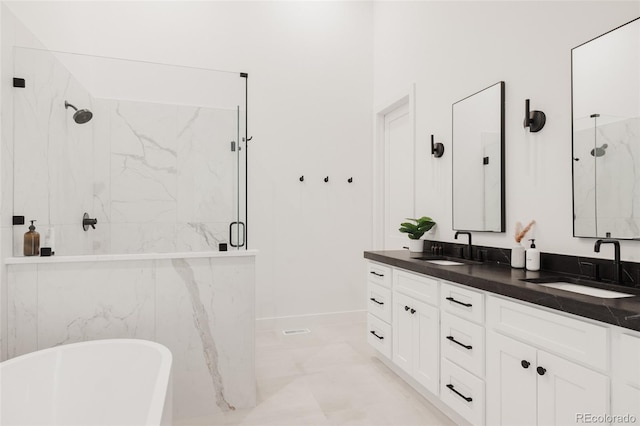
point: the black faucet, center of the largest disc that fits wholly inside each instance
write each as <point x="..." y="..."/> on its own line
<point x="470" y="247"/>
<point x="617" y="266"/>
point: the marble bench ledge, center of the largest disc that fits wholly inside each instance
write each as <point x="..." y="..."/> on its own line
<point x="130" y="256"/>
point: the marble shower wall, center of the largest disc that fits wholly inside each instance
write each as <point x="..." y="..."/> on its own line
<point x="52" y="155"/>
<point x="202" y="309"/>
<point x="166" y="180"/>
<point x="158" y="177"/>
<point x="607" y="187"/>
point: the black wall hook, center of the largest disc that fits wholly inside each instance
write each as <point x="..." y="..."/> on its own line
<point x="437" y="149"/>
<point x="326" y="179"/>
<point x="302" y="178"/>
<point x="534" y="120"/>
<point x="350" y="180"/>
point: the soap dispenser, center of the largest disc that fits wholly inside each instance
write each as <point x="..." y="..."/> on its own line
<point x="533" y="257"/>
<point x="32" y="241"/>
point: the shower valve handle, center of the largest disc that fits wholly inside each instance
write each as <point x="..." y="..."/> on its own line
<point x="88" y="222"/>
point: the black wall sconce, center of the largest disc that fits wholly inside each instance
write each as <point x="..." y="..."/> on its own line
<point x="437" y="149"/>
<point x="534" y="120"/>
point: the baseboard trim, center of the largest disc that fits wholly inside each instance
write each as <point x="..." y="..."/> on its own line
<point x="308" y="321"/>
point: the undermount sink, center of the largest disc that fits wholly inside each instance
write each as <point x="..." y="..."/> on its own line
<point x="566" y="284"/>
<point x="444" y="262"/>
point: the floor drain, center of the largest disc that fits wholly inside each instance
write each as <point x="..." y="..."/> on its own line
<point x="298" y="331"/>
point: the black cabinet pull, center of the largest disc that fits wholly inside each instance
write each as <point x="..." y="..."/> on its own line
<point x="541" y="371"/>
<point x="466" y="398"/>
<point x="376" y="274"/>
<point x="413" y="311"/>
<point x="525" y="364"/>
<point x="461" y="344"/>
<point x="406" y="308"/>
<point x="375" y="334"/>
<point x="451" y="299"/>
<point x="373" y="299"/>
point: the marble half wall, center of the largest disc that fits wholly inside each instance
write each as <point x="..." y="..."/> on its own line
<point x="201" y="308"/>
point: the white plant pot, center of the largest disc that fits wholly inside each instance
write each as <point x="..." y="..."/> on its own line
<point x="416" y="246"/>
<point x="517" y="256"/>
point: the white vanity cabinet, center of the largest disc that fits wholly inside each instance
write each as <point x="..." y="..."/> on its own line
<point x="379" y="307"/>
<point x="526" y="384"/>
<point x="483" y="358"/>
<point x="462" y="385"/>
<point x="415" y="327"/>
<point x="625" y="389"/>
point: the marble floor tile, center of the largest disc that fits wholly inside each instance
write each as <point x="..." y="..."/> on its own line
<point x="327" y="377"/>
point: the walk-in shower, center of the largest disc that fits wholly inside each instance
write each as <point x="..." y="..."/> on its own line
<point x="80" y="116"/>
<point x="154" y="164"/>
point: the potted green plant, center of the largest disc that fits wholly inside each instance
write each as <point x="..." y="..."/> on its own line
<point x="416" y="229"/>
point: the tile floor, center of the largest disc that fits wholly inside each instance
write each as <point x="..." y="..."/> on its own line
<point x="327" y="377"/>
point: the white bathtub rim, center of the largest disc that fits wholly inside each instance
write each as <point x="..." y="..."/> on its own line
<point x="163" y="379"/>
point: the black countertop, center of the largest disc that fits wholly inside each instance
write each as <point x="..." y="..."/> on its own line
<point x="502" y="279"/>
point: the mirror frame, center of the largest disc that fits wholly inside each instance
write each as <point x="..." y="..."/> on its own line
<point x="502" y="162"/>
<point x="573" y="154"/>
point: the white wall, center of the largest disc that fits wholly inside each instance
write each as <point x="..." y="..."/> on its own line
<point x="453" y="49"/>
<point x="310" y="68"/>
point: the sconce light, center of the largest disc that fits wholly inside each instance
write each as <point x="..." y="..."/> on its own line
<point x="437" y="149"/>
<point x="534" y="120"/>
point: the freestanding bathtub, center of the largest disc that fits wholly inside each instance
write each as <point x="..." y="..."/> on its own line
<point x="101" y="382"/>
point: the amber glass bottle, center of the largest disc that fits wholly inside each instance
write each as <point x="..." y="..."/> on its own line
<point x="31" y="241"/>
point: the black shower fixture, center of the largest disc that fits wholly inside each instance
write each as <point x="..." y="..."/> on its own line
<point x="80" y="116"/>
<point x="599" y="151"/>
<point x="437" y="149"/>
<point x="534" y="120"/>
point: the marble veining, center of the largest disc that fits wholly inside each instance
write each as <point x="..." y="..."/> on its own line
<point x="80" y="329"/>
<point x="201" y="322"/>
<point x="206" y="233"/>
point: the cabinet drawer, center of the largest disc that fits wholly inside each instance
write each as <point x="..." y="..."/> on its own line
<point x="572" y="338"/>
<point x="419" y="287"/>
<point x="462" y="391"/>
<point x="379" y="301"/>
<point x="379" y="335"/>
<point x="462" y="302"/>
<point x="379" y="274"/>
<point x="463" y="343"/>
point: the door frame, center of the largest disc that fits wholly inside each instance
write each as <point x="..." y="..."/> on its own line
<point x="405" y="97"/>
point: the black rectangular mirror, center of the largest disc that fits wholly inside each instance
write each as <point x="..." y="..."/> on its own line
<point x="605" y="88"/>
<point x="478" y="161"/>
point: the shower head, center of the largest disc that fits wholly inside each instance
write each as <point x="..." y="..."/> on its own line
<point x="81" y="116"/>
<point x="599" y="151"/>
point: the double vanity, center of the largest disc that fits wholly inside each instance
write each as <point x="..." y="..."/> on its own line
<point x="493" y="345"/>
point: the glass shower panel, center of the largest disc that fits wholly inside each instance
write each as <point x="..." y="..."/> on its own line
<point x="158" y="165"/>
<point x="604" y="176"/>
